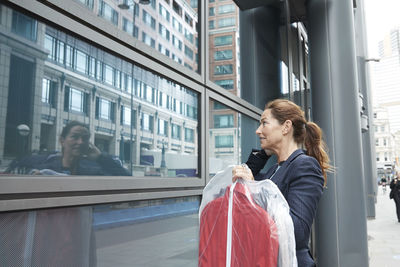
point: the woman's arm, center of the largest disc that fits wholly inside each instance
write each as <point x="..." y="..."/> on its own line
<point x="257" y="160"/>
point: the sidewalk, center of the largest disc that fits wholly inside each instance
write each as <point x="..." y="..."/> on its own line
<point x="384" y="233"/>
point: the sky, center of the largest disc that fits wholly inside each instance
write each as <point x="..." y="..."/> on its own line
<point x="381" y="16"/>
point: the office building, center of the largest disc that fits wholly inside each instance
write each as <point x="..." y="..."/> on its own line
<point x="386" y="77"/>
<point x="385" y="145"/>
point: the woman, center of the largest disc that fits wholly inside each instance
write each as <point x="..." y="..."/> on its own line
<point x="299" y="174"/>
<point x="78" y="157"/>
<point x="395" y="193"/>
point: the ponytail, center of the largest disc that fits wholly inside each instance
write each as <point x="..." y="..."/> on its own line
<point x="316" y="147"/>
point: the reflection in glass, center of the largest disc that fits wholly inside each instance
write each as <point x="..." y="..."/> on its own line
<point x="224" y="47"/>
<point x="171" y="27"/>
<point x="138" y="118"/>
<point x="146" y="233"/>
<point x="231" y="138"/>
<point x="224" y="137"/>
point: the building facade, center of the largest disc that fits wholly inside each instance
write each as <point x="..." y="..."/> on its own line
<point x="386" y="77"/>
<point x="174" y="91"/>
<point x="385" y="144"/>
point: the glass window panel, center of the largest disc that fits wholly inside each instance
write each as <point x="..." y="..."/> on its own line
<point x="226" y="84"/>
<point x="224" y="45"/>
<point x="232" y="136"/>
<point x="24" y="26"/>
<point x="88" y="3"/>
<point x="211" y="11"/>
<point x="163" y="32"/>
<point x="50" y="45"/>
<point x="108" y="75"/>
<point x="123" y="123"/>
<point x="223" y="40"/>
<point x="69" y="57"/>
<point x="156" y="232"/>
<point x="176" y="42"/>
<point x="284" y="79"/>
<point x="223" y="54"/>
<point x="162" y="127"/>
<point x="223" y="69"/>
<point x="177" y="18"/>
<point x="223" y="121"/>
<point x="175" y="131"/>
<point x="189" y="36"/>
<point x="60" y="52"/>
<point x="224" y="9"/>
<point x="189" y="135"/>
<point x="226" y="22"/>
<point x="164" y="12"/>
<point x="188" y="52"/>
<point x="149" y="20"/>
<point x="81" y="61"/>
<point x="107" y="12"/>
<point x="211" y="24"/>
<point x="46" y="91"/>
<point x="177" y="8"/>
<point x="126" y="116"/>
<point x="105" y="109"/>
<point x="177" y="25"/>
<point x="76" y="100"/>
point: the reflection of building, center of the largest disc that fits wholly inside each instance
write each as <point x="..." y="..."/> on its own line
<point x="397" y="150"/>
<point x="224" y="70"/>
<point x="386" y="75"/>
<point x="224" y="56"/>
<point x="72" y="80"/>
<point x="384" y="141"/>
<point x="168" y="26"/>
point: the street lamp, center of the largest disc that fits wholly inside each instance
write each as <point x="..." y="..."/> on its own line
<point x="122" y="146"/>
<point x="23" y="130"/>
<point x="372" y="59"/>
<point x="163" y="165"/>
<point x="125" y="6"/>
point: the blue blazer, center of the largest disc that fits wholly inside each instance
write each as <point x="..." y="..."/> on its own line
<point x="300" y="180"/>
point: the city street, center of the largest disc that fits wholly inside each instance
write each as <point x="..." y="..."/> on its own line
<point x="384" y="233"/>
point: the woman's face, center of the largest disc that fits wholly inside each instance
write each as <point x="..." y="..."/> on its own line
<point x="270" y="131"/>
<point x="76" y="142"/>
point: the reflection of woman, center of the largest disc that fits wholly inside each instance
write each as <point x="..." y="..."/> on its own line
<point x="300" y="174"/>
<point x="57" y="237"/>
<point x="78" y="157"/>
<point x="395" y="194"/>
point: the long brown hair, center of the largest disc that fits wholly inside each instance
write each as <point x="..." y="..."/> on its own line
<point x="306" y="133"/>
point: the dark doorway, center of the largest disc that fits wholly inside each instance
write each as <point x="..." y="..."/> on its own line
<point x="19" y="106"/>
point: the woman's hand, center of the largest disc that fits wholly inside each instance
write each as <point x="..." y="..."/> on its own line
<point x="93" y="152"/>
<point x="242" y="171"/>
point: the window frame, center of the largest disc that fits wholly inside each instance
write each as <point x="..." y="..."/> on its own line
<point x="116" y="189"/>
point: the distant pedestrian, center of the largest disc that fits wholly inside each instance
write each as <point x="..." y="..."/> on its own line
<point x="383" y="183"/>
<point x="395" y="193"/>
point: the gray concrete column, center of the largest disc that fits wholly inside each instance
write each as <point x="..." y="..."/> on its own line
<point x="260" y="55"/>
<point x="368" y="143"/>
<point x="5" y="58"/>
<point x="341" y="229"/>
<point x="155" y="130"/>
<point x="59" y="123"/>
<point x="135" y="146"/>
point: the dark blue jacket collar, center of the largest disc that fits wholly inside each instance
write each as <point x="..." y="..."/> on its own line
<point x="293" y="156"/>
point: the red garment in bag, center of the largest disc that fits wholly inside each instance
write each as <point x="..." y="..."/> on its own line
<point x="254" y="233"/>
